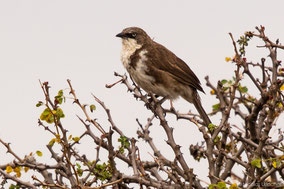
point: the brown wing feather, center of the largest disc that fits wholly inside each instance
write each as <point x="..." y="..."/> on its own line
<point x="167" y="61"/>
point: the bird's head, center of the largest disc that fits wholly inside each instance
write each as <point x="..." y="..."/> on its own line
<point x="133" y="36"/>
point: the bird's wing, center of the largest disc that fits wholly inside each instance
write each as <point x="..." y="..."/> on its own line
<point x="169" y="62"/>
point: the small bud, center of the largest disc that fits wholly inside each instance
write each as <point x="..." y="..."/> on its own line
<point x="262" y="28"/>
<point x="56" y="101"/>
<point x="212" y="92"/>
<point x="228" y="59"/>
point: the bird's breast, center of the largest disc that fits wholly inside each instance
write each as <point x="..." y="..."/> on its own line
<point x="138" y="71"/>
<point x="138" y="68"/>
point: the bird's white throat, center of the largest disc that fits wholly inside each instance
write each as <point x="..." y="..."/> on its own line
<point x="129" y="46"/>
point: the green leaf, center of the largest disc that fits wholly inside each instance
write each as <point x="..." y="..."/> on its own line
<point x="92" y="107"/>
<point x="79" y="170"/>
<point x="12" y="186"/>
<point x="46" y="112"/>
<point x="243" y="89"/>
<point x="59" y="98"/>
<point x="256" y="163"/>
<point x="78" y="165"/>
<point x="51" y="143"/>
<point x="122" y="139"/>
<point x="276" y="163"/>
<point x="224" y="81"/>
<point x="121" y="150"/>
<point x="212" y="186"/>
<point x="124" y="143"/>
<point x="47" y="116"/>
<point x="60" y="93"/>
<point x="50" y="119"/>
<point x="91" y="163"/>
<point x="76" y="139"/>
<point x="211" y="127"/>
<point x="216" y="107"/>
<point x="70" y="137"/>
<point x="104" y="171"/>
<point x="217" y="139"/>
<point x="127" y="144"/>
<point x="59" y="113"/>
<point x="221" y="185"/>
<point x="39" y="153"/>
<point x="39" y="103"/>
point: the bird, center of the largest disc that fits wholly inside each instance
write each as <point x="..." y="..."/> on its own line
<point x="157" y="70"/>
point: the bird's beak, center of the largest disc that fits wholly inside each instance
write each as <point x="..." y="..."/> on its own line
<point x="121" y="35"/>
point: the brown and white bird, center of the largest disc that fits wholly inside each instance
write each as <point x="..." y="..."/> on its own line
<point x="157" y="70"/>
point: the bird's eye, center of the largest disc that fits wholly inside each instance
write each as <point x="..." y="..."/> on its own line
<point x="133" y="35"/>
<point x="130" y="35"/>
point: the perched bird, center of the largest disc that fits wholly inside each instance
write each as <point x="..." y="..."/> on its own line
<point x="156" y="69"/>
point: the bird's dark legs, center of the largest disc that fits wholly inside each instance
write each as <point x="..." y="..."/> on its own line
<point x="172" y="108"/>
<point x="153" y="99"/>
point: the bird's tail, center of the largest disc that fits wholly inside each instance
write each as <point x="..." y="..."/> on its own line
<point x="201" y="111"/>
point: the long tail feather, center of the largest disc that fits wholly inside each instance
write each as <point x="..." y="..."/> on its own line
<point x="201" y="111"/>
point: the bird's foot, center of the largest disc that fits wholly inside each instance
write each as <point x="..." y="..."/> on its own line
<point x="151" y="101"/>
<point x="172" y="108"/>
<point x="155" y="101"/>
<point x="152" y="98"/>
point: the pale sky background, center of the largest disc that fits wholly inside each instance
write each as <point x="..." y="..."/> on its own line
<point x="58" y="40"/>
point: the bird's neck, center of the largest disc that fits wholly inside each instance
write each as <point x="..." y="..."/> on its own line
<point x="129" y="47"/>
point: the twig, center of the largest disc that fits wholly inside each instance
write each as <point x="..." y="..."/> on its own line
<point x="76" y="100"/>
<point x="17" y="180"/>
